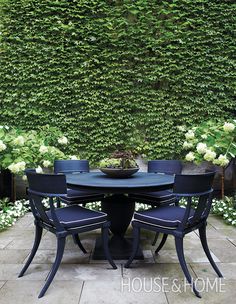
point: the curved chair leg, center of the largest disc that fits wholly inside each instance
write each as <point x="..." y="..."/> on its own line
<point x="105" y="239"/>
<point x="162" y="243"/>
<point x="60" y="250"/>
<point x="77" y="241"/>
<point x="136" y="235"/>
<point x="155" y="239"/>
<point x="180" y="253"/>
<point x="37" y="239"/>
<point x="202" y="234"/>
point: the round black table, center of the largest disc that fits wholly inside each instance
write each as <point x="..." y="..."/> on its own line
<point x="118" y="206"/>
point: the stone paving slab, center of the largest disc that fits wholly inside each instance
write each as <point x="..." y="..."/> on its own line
<point x="22" y="292"/>
<point x="83" y="280"/>
<point x="113" y="292"/>
<point x="191" y="255"/>
<point x="13" y="256"/>
<point x="226" y="294"/>
<point x="206" y="271"/>
<point x="2" y="283"/>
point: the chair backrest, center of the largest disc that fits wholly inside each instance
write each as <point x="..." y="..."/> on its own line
<point x="42" y="186"/>
<point x="165" y="166"/>
<point x="71" y="166"/>
<point x="199" y="187"/>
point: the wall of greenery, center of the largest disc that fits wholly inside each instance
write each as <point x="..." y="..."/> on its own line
<point x="117" y="73"/>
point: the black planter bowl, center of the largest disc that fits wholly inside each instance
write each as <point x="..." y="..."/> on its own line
<point x="119" y="173"/>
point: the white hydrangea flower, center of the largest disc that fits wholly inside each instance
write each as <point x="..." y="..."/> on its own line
<point x="201" y="148"/>
<point x="73" y="157"/>
<point x="209" y="155"/>
<point x="228" y="127"/>
<point x="222" y="160"/>
<point x="14" y="168"/>
<point x="21" y="165"/>
<point x="39" y="170"/>
<point x="187" y="145"/>
<point x="43" y="149"/>
<point x="63" y="140"/>
<point x="190" y="156"/>
<point x="18" y="167"/>
<point x="46" y="163"/>
<point x="190" y="134"/>
<point x="19" y="140"/>
<point x="2" y="146"/>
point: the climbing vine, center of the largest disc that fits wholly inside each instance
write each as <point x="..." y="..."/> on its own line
<point x="117" y="73"/>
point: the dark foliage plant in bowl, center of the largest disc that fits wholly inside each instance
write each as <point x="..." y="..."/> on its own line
<point x="121" y="164"/>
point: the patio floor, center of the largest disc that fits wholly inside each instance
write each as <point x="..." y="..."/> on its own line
<point x="158" y="279"/>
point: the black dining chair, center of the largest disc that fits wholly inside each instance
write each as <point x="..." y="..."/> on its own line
<point x="69" y="220"/>
<point x="76" y="196"/>
<point x="164" y="197"/>
<point x="178" y="221"/>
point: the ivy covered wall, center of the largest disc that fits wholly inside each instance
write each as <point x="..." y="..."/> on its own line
<point x="117" y="73"/>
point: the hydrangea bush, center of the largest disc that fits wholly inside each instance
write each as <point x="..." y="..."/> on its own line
<point x="20" y="149"/>
<point x="212" y="141"/>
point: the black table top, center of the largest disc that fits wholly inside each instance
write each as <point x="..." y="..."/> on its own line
<point x="139" y="182"/>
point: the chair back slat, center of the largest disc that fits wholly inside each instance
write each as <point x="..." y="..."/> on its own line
<point x="165" y="166"/>
<point x="71" y="166"/>
<point x="46" y="184"/>
<point x="198" y="191"/>
<point x="193" y="184"/>
<point x="42" y="186"/>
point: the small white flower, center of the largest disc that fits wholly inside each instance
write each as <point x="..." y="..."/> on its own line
<point x="6" y="127"/>
<point x="2" y="146"/>
<point x="74" y="157"/>
<point x="39" y="170"/>
<point x="228" y="127"/>
<point x="43" y="149"/>
<point x="209" y="155"/>
<point x="204" y="136"/>
<point x="181" y="128"/>
<point x="46" y="163"/>
<point x="187" y="145"/>
<point x="201" y="148"/>
<point x="190" y="134"/>
<point x="63" y="140"/>
<point x="19" y="140"/>
<point x="190" y="156"/>
<point x="21" y="165"/>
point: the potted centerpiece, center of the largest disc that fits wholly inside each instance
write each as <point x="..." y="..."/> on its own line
<point x="121" y="164"/>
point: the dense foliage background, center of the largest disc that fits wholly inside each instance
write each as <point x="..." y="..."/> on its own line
<point x="119" y="73"/>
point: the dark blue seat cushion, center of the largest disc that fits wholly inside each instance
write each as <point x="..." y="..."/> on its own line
<point x="77" y="216"/>
<point x="80" y="196"/>
<point x="158" y="197"/>
<point x="166" y="216"/>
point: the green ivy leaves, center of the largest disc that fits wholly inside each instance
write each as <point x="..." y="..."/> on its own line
<point x="117" y="74"/>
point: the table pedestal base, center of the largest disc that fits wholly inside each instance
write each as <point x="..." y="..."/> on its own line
<point x="120" y="249"/>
